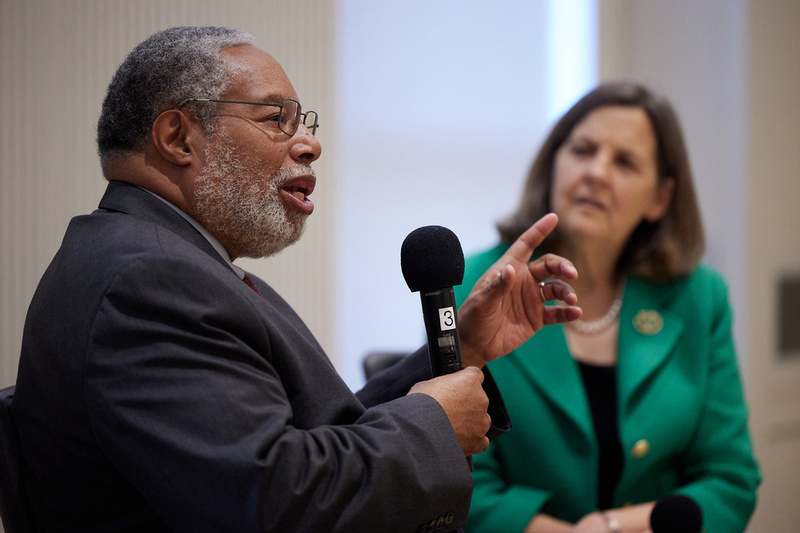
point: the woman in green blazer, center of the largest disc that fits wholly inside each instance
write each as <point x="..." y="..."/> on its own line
<point x="642" y="398"/>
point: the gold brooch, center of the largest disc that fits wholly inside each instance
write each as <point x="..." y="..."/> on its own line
<point x="648" y="322"/>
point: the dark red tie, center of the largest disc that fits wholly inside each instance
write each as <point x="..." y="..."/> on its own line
<point x="250" y="283"/>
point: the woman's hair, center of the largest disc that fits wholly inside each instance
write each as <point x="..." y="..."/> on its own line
<point x="661" y="250"/>
<point x="159" y="73"/>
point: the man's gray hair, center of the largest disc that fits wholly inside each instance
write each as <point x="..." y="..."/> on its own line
<point x="157" y="75"/>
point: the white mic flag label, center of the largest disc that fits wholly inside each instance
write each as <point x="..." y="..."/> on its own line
<point x="447" y="318"/>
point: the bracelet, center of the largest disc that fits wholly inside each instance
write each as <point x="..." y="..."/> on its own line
<point x="611" y="523"/>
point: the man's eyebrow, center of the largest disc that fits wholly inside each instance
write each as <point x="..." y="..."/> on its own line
<point x="272" y="98"/>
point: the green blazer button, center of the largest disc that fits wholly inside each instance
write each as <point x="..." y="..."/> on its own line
<point x="640" y="449"/>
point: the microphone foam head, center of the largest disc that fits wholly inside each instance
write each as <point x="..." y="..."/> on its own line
<point x="676" y="513"/>
<point x="431" y="258"/>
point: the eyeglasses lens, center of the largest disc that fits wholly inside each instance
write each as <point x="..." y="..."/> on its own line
<point x="310" y="121"/>
<point x="290" y="117"/>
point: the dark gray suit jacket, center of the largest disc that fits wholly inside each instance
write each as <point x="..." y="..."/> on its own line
<point x="158" y="392"/>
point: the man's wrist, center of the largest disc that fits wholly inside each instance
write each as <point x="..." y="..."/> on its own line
<point x="470" y="357"/>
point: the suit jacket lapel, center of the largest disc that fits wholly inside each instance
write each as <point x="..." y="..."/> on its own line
<point x="647" y="335"/>
<point x="132" y="200"/>
<point x="548" y="364"/>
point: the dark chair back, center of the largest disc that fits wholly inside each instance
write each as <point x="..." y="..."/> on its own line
<point x="374" y="362"/>
<point x="12" y="509"/>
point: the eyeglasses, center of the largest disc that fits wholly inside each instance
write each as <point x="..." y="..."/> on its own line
<point x="289" y="118"/>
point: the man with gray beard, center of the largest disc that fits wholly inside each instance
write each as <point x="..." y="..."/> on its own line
<point x="161" y="388"/>
<point x="252" y="217"/>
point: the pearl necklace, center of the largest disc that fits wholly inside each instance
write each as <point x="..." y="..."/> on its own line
<point x="596" y="326"/>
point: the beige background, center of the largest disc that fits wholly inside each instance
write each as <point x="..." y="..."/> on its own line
<point x="730" y="66"/>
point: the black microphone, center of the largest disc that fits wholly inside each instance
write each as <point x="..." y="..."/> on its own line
<point x="432" y="262"/>
<point x="676" y="514"/>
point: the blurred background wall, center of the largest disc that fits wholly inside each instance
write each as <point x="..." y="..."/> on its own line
<point x="430" y="114"/>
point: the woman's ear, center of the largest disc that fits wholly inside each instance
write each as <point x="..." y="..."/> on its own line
<point x="663" y="198"/>
<point x="174" y="137"/>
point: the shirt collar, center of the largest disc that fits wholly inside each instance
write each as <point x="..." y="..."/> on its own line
<point x="213" y="241"/>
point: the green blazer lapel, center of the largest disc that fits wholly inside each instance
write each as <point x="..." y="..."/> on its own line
<point x="546" y="361"/>
<point x="647" y="335"/>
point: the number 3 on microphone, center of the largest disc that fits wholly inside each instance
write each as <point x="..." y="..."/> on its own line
<point x="447" y="318"/>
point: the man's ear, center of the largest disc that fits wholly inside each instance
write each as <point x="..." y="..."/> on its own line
<point x="175" y="137"/>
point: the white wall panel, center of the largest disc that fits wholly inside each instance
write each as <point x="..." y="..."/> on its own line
<point x="57" y="59"/>
<point x="773" y="193"/>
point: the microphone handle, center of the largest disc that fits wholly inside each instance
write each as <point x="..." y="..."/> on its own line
<point x="441" y="325"/>
<point x="444" y="348"/>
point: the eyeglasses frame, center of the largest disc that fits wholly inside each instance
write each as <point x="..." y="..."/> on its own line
<point x="301" y="115"/>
